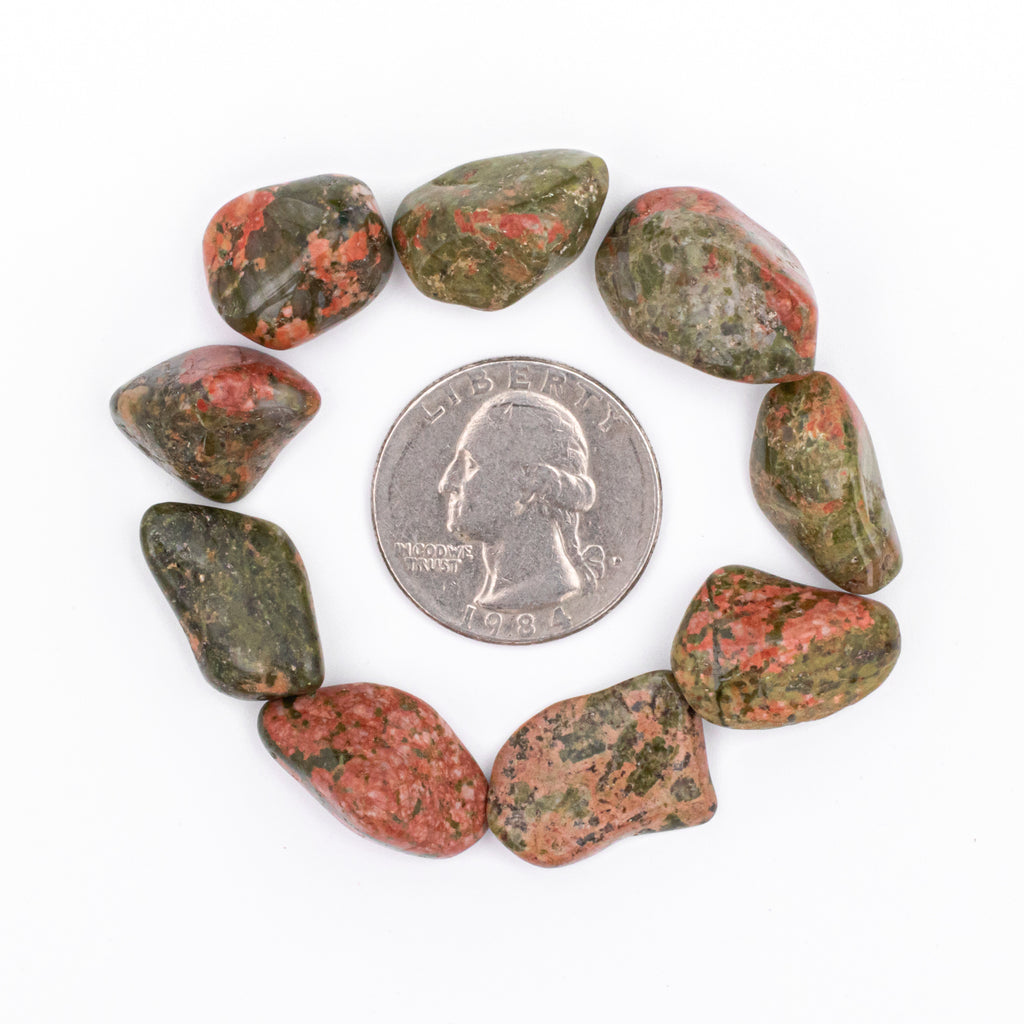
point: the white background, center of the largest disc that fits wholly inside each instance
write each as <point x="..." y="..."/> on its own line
<point x="158" y="866"/>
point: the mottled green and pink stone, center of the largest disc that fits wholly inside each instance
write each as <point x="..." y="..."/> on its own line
<point x="755" y="650"/>
<point x="688" y="274"/>
<point x="814" y="474"/>
<point x="486" y="233"/>
<point x="587" y="771"/>
<point x="240" y="592"/>
<point x="384" y="762"/>
<point x="215" y="417"/>
<point x="285" y="262"/>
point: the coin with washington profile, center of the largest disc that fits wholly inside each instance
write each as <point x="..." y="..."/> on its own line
<point x="516" y="500"/>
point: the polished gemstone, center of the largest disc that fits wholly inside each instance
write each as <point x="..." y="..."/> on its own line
<point x="593" y="769"/>
<point x="285" y="262"/>
<point x="384" y="762"/>
<point x="815" y="476"/>
<point x="487" y="233"/>
<point x="240" y="592"/>
<point x="755" y="651"/>
<point x="215" y="417"/>
<point x="689" y="275"/>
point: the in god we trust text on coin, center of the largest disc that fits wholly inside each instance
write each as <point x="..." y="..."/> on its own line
<point x="516" y="500"/>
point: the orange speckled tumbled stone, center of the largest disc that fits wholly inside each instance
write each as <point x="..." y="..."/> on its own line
<point x="384" y="762"/>
<point x="590" y="770"/>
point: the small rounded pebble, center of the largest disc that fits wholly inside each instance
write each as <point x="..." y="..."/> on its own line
<point x="689" y="275"/>
<point x="755" y="651"/>
<point x="285" y="262"/>
<point x="240" y="592"/>
<point x="590" y="770"/>
<point x="215" y="417"/>
<point x="815" y="476"/>
<point x="488" y="232"/>
<point x="384" y="763"/>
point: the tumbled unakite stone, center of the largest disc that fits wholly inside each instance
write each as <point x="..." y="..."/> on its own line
<point x="689" y="275"/>
<point x="285" y="262"/>
<point x="240" y="592"/>
<point x="755" y="651"/>
<point x="384" y="762"/>
<point x="216" y="417"/>
<point x="587" y="771"/>
<point x="815" y="476"/>
<point x="486" y="233"/>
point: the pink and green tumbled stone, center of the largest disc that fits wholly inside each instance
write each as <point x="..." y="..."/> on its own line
<point x="384" y="762"/>
<point x="215" y="417"/>
<point x="486" y="233"/>
<point x="755" y="651"/>
<point x="285" y="262"/>
<point x="587" y="771"/>
<point x="689" y="275"/>
<point x="814" y="474"/>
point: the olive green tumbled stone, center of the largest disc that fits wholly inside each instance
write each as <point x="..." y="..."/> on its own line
<point x="689" y="275"/>
<point x="240" y="592"/>
<point x="488" y="232"/>
<point x="815" y="476"/>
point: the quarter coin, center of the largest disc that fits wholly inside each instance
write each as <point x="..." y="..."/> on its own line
<point x="516" y="500"/>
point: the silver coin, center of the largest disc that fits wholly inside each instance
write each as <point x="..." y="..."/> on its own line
<point x="516" y="500"/>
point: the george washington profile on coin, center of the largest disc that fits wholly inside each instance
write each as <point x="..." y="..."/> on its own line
<point x="516" y="500"/>
<point x="519" y="484"/>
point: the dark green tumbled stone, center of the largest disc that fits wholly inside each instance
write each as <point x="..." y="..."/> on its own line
<point x="240" y="592"/>
<point x="815" y="476"/>
<point x="488" y="232"/>
<point x="688" y="274"/>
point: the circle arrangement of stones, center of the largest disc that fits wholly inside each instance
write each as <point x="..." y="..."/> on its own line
<point x="436" y="528"/>
<point x="685" y="273"/>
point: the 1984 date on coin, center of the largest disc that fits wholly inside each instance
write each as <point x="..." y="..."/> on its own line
<point x="516" y="500"/>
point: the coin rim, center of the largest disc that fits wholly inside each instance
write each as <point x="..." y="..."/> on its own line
<point x="640" y="567"/>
